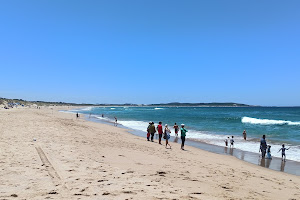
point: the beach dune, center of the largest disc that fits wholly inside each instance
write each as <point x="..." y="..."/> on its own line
<point x="46" y="154"/>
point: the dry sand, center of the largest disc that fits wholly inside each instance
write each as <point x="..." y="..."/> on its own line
<point x="76" y="159"/>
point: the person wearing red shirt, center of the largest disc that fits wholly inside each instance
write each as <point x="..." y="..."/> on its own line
<point x="160" y="132"/>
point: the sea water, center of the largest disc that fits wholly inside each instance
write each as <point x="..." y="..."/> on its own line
<point x="213" y="125"/>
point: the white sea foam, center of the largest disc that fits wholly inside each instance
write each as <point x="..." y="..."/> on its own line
<point x="137" y="125"/>
<point x="112" y="108"/>
<point x="251" y="120"/>
<point x="294" y="123"/>
<point x="105" y="119"/>
<point x="67" y="111"/>
<point x="87" y="109"/>
<point x="72" y="111"/>
<point x="77" y="110"/>
<point x="158" y="108"/>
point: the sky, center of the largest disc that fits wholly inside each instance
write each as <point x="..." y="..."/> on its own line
<point x="158" y="51"/>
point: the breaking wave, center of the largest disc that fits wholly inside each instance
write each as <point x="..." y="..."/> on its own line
<point x="251" y="120"/>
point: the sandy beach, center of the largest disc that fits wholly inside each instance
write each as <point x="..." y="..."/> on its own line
<point x="46" y="154"/>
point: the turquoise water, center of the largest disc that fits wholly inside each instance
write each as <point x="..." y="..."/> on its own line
<point x="213" y="124"/>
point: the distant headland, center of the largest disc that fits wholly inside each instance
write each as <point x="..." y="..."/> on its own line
<point x="5" y="101"/>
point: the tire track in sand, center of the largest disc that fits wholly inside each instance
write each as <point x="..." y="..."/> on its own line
<point x="51" y="171"/>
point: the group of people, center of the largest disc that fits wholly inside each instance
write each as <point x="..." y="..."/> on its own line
<point x="232" y="140"/>
<point x="165" y="133"/>
<point x="229" y="140"/>
<point x="266" y="149"/>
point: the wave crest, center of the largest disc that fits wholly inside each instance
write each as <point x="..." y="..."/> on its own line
<point x="251" y="120"/>
<point x="87" y="109"/>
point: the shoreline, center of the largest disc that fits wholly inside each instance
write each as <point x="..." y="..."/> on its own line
<point x="276" y="164"/>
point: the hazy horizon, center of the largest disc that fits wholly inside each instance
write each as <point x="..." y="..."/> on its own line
<point x="57" y="101"/>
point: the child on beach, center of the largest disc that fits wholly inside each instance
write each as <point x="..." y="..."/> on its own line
<point x="116" y="122"/>
<point x="226" y="141"/>
<point x="231" y="142"/>
<point x="269" y="152"/>
<point x="283" y="151"/>
<point x="148" y="131"/>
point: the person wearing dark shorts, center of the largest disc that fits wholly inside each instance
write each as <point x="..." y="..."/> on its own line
<point x="183" y="134"/>
<point x="176" y="129"/>
<point x="263" y="146"/>
<point x="116" y="121"/>
<point x="283" y="149"/>
<point x="152" y="130"/>
<point x="160" y="132"/>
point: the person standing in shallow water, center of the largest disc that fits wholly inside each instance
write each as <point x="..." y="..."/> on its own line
<point x="176" y="129"/>
<point x="183" y="134"/>
<point x="231" y="141"/>
<point x="226" y="141"/>
<point x="160" y="132"/>
<point x="269" y="156"/>
<point x="263" y="146"/>
<point x="116" y="122"/>
<point x="245" y="135"/>
<point x="283" y="152"/>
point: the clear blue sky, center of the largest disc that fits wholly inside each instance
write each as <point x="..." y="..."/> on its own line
<point x="151" y="51"/>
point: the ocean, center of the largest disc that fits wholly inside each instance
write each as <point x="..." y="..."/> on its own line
<point x="213" y="125"/>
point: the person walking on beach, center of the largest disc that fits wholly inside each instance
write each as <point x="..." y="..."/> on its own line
<point x="176" y="129"/>
<point x="77" y="115"/>
<point x="231" y="142"/>
<point x="167" y="135"/>
<point x="183" y="134"/>
<point x="152" y="130"/>
<point x="263" y="146"/>
<point x="245" y="135"/>
<point x="283" y="152"/>
<point x="160" y="132"/>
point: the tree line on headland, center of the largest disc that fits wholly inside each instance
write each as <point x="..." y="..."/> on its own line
<point x="174" y="104"/>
